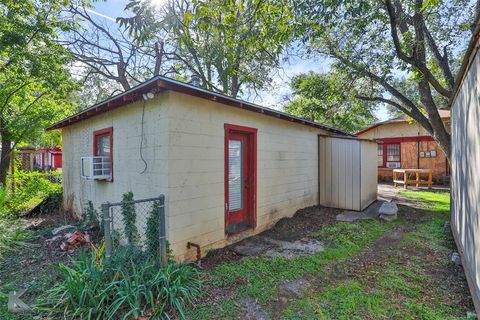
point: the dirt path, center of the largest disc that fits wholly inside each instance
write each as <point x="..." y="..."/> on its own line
<point x="389" y="253"/>
<point x="402" y="268"/>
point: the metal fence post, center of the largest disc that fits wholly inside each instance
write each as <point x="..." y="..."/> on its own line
<point x="162" y="240"/>
<point x="106" y="228"/>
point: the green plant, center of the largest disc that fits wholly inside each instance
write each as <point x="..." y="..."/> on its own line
<point x="12" y="235"/>
<point x="30" y="189"/>
<point x="82" y="292"/>
<point x="90" y="215"/>
<point x="129" y="219"/>
<point x="153" y="230"/>
<point x="126" y="287"/>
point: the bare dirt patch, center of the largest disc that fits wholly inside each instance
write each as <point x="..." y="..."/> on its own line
<point x="272" y="248"/>
<point x="287" y="291"/>
<point x="304" y="222"/>
<point x="253" y="311"/>
<point x="296" y="228"/>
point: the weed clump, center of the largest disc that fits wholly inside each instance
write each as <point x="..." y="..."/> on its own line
<point x="129" y="285"/>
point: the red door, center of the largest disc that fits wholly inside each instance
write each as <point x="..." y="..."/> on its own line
<point x="239" y="178"/>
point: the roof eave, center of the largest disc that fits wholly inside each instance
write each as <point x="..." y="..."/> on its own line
<point x="158" y="84"/>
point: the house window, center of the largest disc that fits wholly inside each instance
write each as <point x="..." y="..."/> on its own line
<point x="393" y="155"/>
<point x="380" y="155"/>
<point x="388" y="155"/>
<point x="102" y="148"/>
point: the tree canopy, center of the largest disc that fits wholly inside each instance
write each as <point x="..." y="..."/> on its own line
<point x="35" y="82"/>
<point x="322" y="97"/>
<point x="410" y="49"/>
<point x="230" y="46"/>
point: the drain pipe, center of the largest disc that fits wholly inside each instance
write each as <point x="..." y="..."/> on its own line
<point x="199" y="254"/>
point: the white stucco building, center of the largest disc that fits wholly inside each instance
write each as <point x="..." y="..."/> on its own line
<point x="228" y="168"/>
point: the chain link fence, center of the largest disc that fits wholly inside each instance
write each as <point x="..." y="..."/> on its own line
<point x="139" y="223"/>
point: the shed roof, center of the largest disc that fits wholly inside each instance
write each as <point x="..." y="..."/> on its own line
<point x="444" y="114"/>
<point x="158" y="84"/>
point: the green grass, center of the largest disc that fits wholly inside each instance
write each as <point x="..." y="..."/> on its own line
<point x="398" y="287"/>
<point x="434" y="201"/>
<point x="349" y="299"/>
<point x="386" y="289"/>
<point x="259" y="277"/>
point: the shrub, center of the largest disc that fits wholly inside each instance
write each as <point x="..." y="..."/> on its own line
<point x="126" y="287"/>
<point x="30" y="189"/>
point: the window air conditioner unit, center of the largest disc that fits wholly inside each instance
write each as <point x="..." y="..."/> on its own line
<point x="393" y="165"/>
<point x="96" y="168"/>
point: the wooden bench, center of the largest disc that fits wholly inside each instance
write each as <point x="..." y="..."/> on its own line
<point x="418" y="181"/>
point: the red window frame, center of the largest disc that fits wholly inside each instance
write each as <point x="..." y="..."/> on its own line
<point x="399" y="152"/>
<point x="252" y="200"/>
<point x="102" y="133"/>
<point x="382" y="155"/>
<point x="385" y="148"/>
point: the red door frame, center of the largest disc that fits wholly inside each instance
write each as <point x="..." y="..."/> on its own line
<point x="251" y="199"/>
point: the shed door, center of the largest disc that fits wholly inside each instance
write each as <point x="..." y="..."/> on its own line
<point x="239" y="180"/>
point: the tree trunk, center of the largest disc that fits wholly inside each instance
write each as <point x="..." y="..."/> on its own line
<point x="158" y="57"/>
<point x="122" y="75"/>
<point x="235" y="86"/>
<point x="5" y="158"/>
<point x="476" y="18"/>
<point x="440" y="134"/>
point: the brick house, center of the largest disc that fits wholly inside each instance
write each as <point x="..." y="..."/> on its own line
<point x="403" y="143"/>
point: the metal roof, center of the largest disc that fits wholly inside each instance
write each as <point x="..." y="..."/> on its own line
<point x="158" y="84"/>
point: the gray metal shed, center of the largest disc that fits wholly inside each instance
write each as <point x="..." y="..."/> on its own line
<point x="347" y="172"/>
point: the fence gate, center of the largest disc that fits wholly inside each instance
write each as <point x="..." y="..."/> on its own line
<point x="143" y="215"/>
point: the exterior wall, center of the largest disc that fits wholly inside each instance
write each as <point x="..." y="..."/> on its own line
<point x="409" y="154"/>
<point x="348" y="173"/>
<point x="409" y="150"/>
<point x="57" y="161"/>
<point x="410" y="159"/>
<point x="465" y="180"/>
<point x="395" y="130"/>
<point x="439" y="164"/>
<point x="287" y="171"/>
<point x="126" y="123"/>
<point x="368" y="173"/>
<point x="340" y="173"/>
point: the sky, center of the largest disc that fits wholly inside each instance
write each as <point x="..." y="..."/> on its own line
<point x="273" y="98"/>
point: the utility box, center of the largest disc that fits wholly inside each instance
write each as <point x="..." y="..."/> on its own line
<point x="347" y="172"/>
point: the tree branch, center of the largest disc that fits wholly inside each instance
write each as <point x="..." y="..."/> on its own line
<point x="442" y="60"/>
<point x="420" y="65"/>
